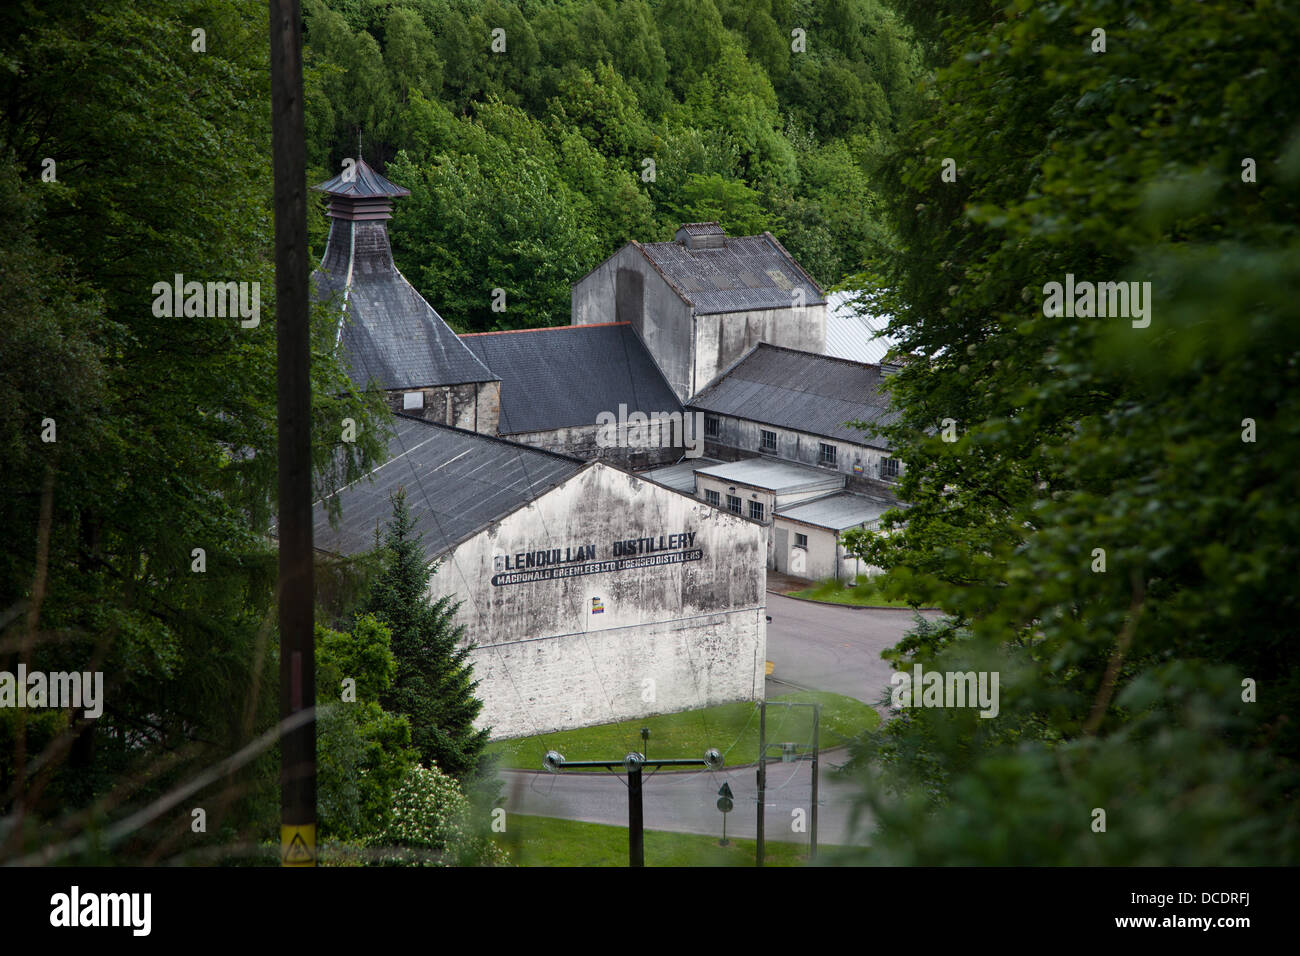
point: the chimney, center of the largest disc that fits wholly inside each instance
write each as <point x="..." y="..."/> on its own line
<point x="360" y="200"/>
<point x="701" y="235"/>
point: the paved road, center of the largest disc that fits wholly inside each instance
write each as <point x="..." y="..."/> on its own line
<point x="686" y="802"/>
<point x="834" y="648"/>
<point x="819" y="646"/>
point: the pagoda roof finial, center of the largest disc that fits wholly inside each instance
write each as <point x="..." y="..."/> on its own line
<point x="361" y="182"/>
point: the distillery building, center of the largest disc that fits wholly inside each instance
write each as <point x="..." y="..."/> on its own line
<point x="590" y="594"/>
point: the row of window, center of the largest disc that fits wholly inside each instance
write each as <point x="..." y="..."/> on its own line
<point x="734" y="504"/>
<point x="826" y="455"/>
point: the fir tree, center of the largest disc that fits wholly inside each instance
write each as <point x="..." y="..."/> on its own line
<point x="434" y="684"/>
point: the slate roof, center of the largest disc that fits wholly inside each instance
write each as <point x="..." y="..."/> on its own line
<point x="457" y="482"/>
<point x="802" y="391"/>
<point x="747" y="272"/>
<point x="363" y="182"/>
<point x="773" y="474"/>
<point x="838" y="511"/>
<point x="566" y="376"/>
<point x="389" y="334"/>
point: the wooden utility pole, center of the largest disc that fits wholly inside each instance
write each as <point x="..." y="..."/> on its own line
<point x="296" y="592"/>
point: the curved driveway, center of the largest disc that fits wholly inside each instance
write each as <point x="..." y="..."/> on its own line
<point x="832" y="647"/>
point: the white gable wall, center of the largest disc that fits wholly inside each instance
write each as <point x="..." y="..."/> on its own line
<point x="668" y="636"/>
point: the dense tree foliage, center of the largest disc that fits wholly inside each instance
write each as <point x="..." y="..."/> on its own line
<point x="600" y="122"/>
<point x="1113" y="528"/>
<point x="364" y="752"/>
<point x="432" y="684"/>
<point x="130" y="440"/>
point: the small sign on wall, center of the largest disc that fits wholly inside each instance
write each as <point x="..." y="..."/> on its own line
<point x="597" y="606"/>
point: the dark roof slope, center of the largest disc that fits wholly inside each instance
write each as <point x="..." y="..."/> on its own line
<point x="361" y="182"/>
<point x="390" y="334"/>
<point x="802" y="391"/>
<point x="457" y="482"/>
<point x="566" y="376"/>
<point x="743" y="273"/>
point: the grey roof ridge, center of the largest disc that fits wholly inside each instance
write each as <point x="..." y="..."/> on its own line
<point x="492" y="438"/>
<point x="819" y="355"/>
<point x="776" y="243"/>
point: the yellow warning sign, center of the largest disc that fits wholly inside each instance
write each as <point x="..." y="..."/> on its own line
<point x="298" y="845"/>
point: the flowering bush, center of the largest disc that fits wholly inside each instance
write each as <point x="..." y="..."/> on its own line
<point x="432" y="824"/>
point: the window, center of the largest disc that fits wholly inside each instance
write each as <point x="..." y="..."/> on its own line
<point x="889" y="469"/>
<point x="733" y="504"/>
<point x="712" y="427"/>
<point x="800" y="540"/>
<point x="756" y="510"/>
<point x="769" y="440"/>
<point x="827" y="454"/>
<point x="412" y="400"/>
<point x="713" y="498"/>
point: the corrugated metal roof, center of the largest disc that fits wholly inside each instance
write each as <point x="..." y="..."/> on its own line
<point x="681" y="476"/>
<point x="390" y="335"/>
<point x="802" y="391"/>
<point x="853" y="335"/>
<point x="746" y="272"/>
<point x="457" y="482"/>
<point x="566" y="376"/>
<point x="839" y="511"/>
<point x="774" y="475"/>
<point x="703" y="229"/>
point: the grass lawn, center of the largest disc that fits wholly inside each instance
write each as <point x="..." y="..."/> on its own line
<point x="732" y="728"/>
<point x="863" y="594"/>
<point x="547" y="841"/>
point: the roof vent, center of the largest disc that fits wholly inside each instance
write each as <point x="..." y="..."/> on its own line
<point x="701" y="235"/>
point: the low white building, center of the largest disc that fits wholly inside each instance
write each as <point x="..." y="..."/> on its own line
<point x="806" y="537"/>
<point x="806" y="509"/>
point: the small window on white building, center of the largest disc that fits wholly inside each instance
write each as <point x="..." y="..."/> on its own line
<point x="800" y="540"/>
<point x="733" y="504"/>
<point x="712" y="427"/>
<point x="412" y="400"/>
<point x="769" y="440"/>
<point x="756" y="510"/>
<point x="827" y="456"/>
<point x="889" y="469"/>
<point x="713" y="498"/>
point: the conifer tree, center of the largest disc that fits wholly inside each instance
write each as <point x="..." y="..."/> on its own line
<point x="434" y="684"/>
